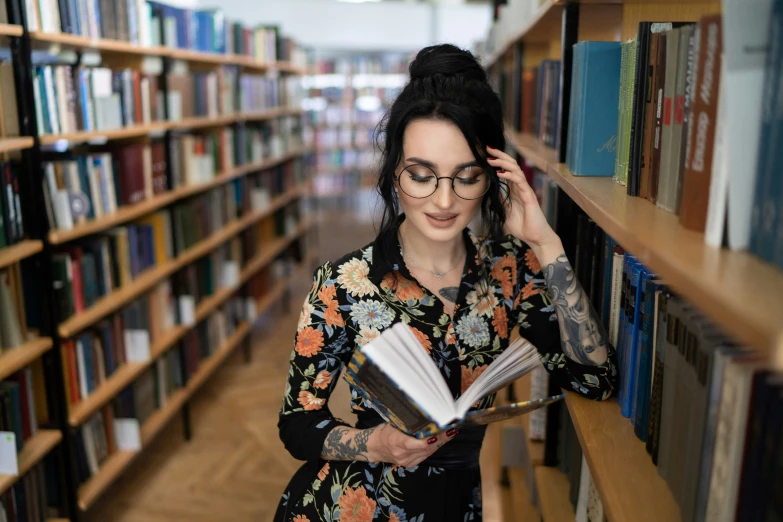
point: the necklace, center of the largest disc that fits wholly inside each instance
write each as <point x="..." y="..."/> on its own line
<point x="436" y="274"/>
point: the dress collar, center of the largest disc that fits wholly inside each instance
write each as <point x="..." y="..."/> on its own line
<point x="387" y="254"/>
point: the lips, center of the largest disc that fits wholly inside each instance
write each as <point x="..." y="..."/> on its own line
<point x="442" y="219"/>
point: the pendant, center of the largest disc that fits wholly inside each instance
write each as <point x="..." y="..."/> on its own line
<point x="438" y="276"/>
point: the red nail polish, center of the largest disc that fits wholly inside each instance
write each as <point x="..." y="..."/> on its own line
<point x="432" y="440"/>
<point x="452" y="432"/>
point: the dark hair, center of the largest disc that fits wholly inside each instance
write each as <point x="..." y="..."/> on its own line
<point x="446" y="83"/>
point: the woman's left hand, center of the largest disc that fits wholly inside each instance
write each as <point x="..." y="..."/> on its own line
<point x="524" y="218"/>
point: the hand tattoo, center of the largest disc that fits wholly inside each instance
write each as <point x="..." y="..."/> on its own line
<point x="345" y="443"/>
<point x="450" y="293"/>
<point x="581" y="332"/>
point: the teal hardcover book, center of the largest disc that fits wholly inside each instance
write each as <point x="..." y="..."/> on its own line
<point x="595" y="124"/>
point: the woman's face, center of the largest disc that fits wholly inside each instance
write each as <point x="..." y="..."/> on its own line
<point x="437" y="149"/>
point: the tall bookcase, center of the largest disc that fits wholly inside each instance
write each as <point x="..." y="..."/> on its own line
<point x="737" y="291"/>
<point x="347" y="95"/>
<point x="267" y="236"/>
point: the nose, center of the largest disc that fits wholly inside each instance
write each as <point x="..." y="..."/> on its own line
<point x="444" y="194"/>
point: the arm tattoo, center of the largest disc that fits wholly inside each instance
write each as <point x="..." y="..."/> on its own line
<point x="450" y="293"/>
<point x="345" y="443"/>
<point x="581" y="332"/>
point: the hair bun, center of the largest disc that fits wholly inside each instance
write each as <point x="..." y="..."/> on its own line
<point x="446" y="60"/>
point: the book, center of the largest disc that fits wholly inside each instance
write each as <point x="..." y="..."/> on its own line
<point x="403" y="384"/>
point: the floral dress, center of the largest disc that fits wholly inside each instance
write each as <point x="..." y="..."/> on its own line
<point x="351" y="302"/>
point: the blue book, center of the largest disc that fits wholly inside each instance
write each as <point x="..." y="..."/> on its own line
<point x="596" y="116"/>
<point x="642" y="386"/>
<point x="623" y="322"/>
<point x="767" y="199"/>
<point x="606" y="302"/>
<point x="108" y="349"/>
<point x="639" y="274"/>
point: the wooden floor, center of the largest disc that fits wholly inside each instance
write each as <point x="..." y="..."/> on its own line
<point x="235" y="468"/>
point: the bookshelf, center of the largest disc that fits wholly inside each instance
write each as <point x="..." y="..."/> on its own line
<point x="256" y="146"/>
<point x="15" y="359"/>
<point x="612" y="450"/>
<point x="735" y="290"/>
<point x="111" y="470"/>
<point x="747" y="302"/>
<point x="553" y="495"/>
<point x="131" y="212"/>
<point x="117" y="299"/>
<point x="15" y="253"/>
<point x="35" y="449"/>
<point x="129" y="372"/>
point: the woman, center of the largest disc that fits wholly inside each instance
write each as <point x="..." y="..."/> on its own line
<point x="442" y="164"/>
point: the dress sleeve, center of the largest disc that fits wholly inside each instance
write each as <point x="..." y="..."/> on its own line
<point x="321" y="348"/>
<point x="535" y="314"/>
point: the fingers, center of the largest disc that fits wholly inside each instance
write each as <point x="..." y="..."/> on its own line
<point x="499" y="153"/>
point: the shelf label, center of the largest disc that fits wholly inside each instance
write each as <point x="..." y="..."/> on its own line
<point x="250" y="309"/>
<point x="187" y="310"/>
<point x="128" y="434"/>
<point x="230" y="274"/>
<point x="137" y="345"/>
<point x="8" y="463"/>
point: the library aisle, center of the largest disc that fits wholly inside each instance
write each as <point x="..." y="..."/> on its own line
<point x="235" y="467"/>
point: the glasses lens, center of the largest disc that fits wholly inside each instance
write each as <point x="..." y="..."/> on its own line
<point x="471" y="183"/>
<point x="418" y="181"/>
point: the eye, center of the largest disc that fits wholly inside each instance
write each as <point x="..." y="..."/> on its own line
<point x="470" y="176"/>
<point x="420" y="174"/>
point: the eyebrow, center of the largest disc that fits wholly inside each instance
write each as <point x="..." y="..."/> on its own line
<point x="431" y="165"/>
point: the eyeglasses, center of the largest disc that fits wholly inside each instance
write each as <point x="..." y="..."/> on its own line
<point x="419" y="181"/>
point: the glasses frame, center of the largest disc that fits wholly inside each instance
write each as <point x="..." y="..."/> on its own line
<point x="437" y="183"/>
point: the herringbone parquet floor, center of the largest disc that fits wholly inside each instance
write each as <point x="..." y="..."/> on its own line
<point x="234" y="468"/>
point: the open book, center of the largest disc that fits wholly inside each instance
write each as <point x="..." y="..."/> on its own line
<point x="404" y="385"/>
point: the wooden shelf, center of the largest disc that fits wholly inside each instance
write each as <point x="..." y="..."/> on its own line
<point x="736" y="290"/>
<point x="538" y="28"/>
<point x="58" y="520"/>
<point x="129" y="372"/>
<point x="34" y="449"/>
<point x="626" y="479"/>
<point x="15" y="253"/>
<point x="11" y="144"/>
<point x="131" y="212"/>
<point x="122" y="296"/>
<point x="14" y="359"/>
<point x="11" y="30"/>
<point x="110" y="470"/>
<point x="553" y="501"/>
<point x="72" y="41"/>
<point x="98" y="135"/>
<point x="117" y="463"/>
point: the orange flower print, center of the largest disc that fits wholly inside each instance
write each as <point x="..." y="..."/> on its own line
<point x="408" y="290"/>
<point x="309" y="342"/>
<point x="528" y="290"/>
<point x="450" y="338"/>
<point x="332" y="315"/>
<point x="423" y="339"/>
<point x="469" y="376"/>
<point x="505" y="272"/>
<point x="327" y="293"/>
<point x="531" y="261"/>
<point x="322" y="380"/>
<point x="355" y="506"/>
<point x="301" y="518"/>
<point x="324" y="472"/>
<point x="500" y="322"/>
<point x="310" y="401"/>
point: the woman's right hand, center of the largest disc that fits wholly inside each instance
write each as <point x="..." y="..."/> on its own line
<point x="388" y="444"/>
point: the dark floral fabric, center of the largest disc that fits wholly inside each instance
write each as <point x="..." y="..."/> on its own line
<point x="350" y="303"/>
